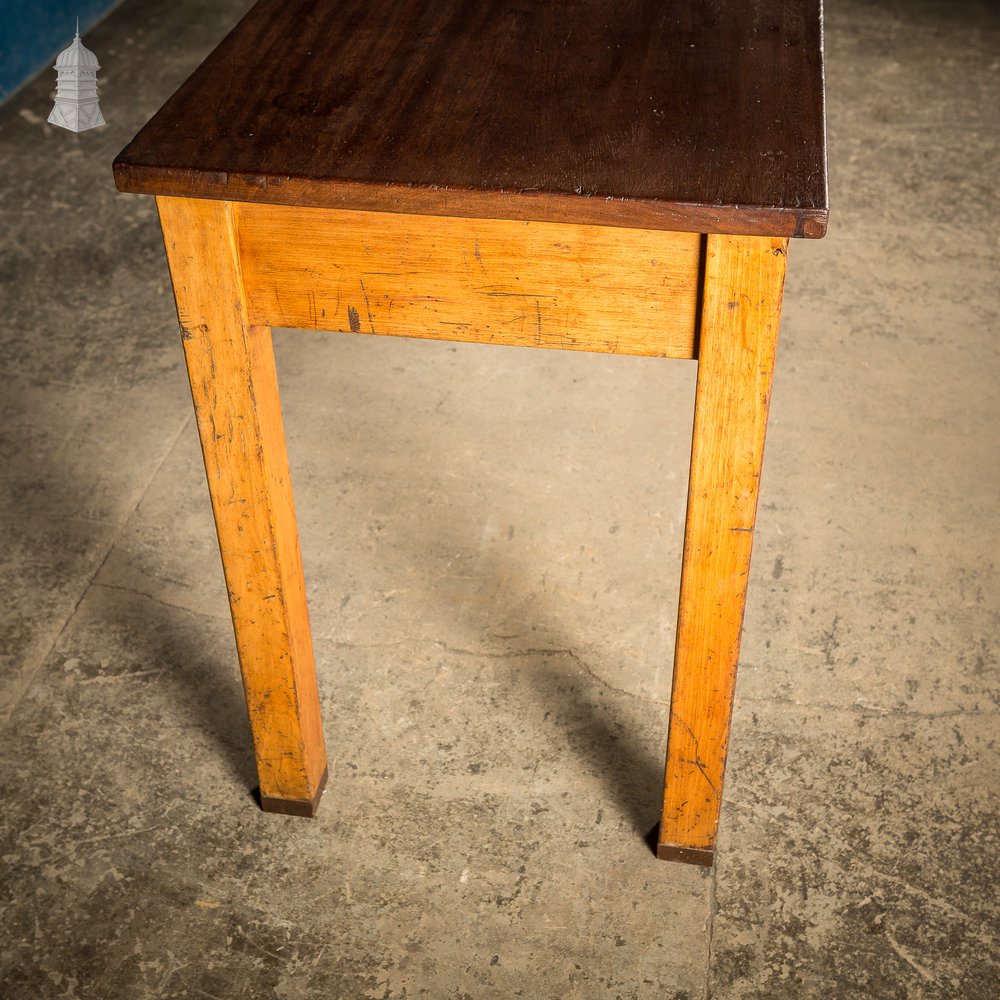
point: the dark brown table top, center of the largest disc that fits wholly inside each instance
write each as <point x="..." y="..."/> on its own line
<point x="697" y="115"/>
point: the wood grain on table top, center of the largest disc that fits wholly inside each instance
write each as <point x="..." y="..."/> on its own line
<point x="696" y="115"/>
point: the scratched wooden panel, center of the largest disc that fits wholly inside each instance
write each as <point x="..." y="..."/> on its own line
<point x="744" y="278"/>
<point x="618" y="291"/>
<point x="235" y="393"/>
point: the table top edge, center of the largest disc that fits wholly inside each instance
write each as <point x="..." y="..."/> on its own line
<point x="537" y="206"/>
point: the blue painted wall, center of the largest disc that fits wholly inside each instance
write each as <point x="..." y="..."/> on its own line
<point x="33" y="32"/>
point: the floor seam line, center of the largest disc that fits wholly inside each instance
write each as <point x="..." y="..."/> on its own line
<point x="713" y="910"/>
<point x="28" y="681"/>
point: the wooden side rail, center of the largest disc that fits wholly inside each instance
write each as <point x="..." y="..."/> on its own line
<point x="539" y="284"/>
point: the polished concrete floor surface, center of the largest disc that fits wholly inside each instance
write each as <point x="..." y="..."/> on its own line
<point x="491" y="541"/>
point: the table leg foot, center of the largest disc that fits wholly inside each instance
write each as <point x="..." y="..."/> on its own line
<point x="685" y="855"/>
<point x="295" y="807"/>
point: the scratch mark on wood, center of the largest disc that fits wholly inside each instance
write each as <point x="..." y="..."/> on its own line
<point x="698" y="763"/>
<point x="188" y="331"/>
<point x="368" y="308"/>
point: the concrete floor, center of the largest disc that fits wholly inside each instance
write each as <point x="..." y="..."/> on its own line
<point x="491" y="540"/>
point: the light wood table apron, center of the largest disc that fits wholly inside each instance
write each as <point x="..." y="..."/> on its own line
<point x="251" y="249"/>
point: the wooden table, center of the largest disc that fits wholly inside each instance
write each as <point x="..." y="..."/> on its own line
<point x="601" y="175"/>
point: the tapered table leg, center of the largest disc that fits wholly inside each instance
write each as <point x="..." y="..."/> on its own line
<point x="741" y="309"/>
<point x="235" y="392"/>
